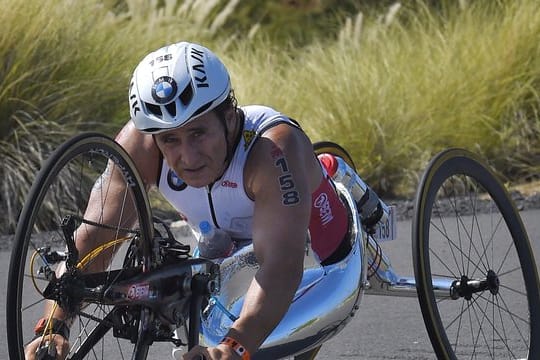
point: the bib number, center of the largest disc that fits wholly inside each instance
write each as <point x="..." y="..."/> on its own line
<point x="387" y="230"/>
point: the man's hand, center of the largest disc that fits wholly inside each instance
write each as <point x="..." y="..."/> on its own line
<point x="55" y="342"/>
<point x="220" y="352"/>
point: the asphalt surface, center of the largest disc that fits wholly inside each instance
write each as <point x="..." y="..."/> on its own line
<point x="384" y="327"/>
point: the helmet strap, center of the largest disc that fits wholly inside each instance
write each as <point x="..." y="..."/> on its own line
<point x="239" y="123"/>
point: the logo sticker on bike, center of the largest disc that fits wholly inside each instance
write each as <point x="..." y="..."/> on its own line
<point x="123" y="169"/>
<point x="139" y="291"/>
<point x="325" y="211"/>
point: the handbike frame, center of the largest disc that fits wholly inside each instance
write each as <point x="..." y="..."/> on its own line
<point x="383" y="280"/>
<point x="368" y="269"/>
<point x="174" y="292"/>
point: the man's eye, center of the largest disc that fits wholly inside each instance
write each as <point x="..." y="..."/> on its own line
<point x="168" y="139"/>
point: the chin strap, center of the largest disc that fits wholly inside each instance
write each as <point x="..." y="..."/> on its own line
<point x="228" y="156"/>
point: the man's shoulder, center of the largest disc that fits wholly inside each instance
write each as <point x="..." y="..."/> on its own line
<point x="258" y="108"/>
<point x="258" y="113"/>
<point x="142" y="150"/>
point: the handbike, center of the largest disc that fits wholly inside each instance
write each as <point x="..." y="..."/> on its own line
<point x="471" y="256"/>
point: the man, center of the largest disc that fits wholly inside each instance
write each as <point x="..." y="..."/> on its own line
<point x="250" y="171"/>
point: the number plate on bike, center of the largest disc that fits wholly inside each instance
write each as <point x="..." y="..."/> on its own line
<point x="387" y="230"/>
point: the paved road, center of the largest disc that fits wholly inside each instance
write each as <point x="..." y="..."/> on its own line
<point x="384" y="328"/>
<point x="393" y="328"/>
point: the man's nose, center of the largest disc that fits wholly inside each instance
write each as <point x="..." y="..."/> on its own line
<point x="187" y="155"/>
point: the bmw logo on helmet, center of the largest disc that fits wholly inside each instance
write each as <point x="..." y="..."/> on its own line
<point x="164" y="89"/>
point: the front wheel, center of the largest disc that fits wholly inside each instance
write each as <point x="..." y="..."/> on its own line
<point x="476" y="276"/>
<point x="54" y="217"/>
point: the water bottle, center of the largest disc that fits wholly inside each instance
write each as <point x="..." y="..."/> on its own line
<point x="214" y="243"/>
<point x="371" y="209"/>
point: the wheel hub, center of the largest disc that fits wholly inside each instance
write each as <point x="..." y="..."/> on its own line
<point x="465" y="287"/>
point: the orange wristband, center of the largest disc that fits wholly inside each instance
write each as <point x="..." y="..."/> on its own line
<point x="238" y="348"/>
<point x="56" y="327"/>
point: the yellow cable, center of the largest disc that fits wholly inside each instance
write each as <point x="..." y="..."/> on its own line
<point x="32" y="260"/>
<point x="94" y="253"/>
<point x="90" y="256"/>
<point x="48" y="326"/>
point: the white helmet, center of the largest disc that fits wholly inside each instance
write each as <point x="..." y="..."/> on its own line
<point x="175" y="84"/>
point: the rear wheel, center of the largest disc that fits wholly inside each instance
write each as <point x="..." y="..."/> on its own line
<point x="329" y="147"/>
<point x="54" y="216"/>
<point x="467" y="232"/>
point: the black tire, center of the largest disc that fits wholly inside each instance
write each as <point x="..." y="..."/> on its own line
<point x="479" y="236"/>
<point x="62" y="188"/>
<point x="330" y="147"/>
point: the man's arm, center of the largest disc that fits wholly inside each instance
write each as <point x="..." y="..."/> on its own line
<point x="115" y="207"/>
<point x="281" y="175"/>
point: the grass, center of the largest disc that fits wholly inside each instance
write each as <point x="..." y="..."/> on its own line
<point x="23" y="154"/>
<point x="66" y="68"/>
<point x="393" y="88"/>
<point x="395" y="93"/>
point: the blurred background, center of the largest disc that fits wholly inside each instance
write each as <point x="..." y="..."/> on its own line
<point x="394" y="83"/>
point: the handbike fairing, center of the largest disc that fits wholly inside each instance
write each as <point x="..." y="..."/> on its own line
<point x="325" y="301"/>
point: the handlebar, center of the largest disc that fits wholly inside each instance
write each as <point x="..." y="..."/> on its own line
<point x="46" y="352"/>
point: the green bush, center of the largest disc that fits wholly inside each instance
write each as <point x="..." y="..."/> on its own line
<point x="66" y="68"/>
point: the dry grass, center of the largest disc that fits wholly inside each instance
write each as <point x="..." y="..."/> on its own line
<point x="396" y="90"/>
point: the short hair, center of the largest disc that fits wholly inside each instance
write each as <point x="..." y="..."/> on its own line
<point x="230" y="103"/>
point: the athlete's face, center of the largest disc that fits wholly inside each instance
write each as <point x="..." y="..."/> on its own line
<point x="197" y="151"/>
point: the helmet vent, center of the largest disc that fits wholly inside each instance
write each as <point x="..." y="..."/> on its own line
<point x="154" y="109"/>
<point x="202" y="109"/>
<point x="171" y="108"/>
<point x="175" y="84"/>
<point x="187" y="95"/>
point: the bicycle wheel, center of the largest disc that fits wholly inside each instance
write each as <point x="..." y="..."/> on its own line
<point x="467" y="233"/>
<point x="330" y="147"/>
<point x="61" y="191"/>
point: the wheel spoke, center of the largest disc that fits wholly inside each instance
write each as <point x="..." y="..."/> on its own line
<point x="454" y="248"/>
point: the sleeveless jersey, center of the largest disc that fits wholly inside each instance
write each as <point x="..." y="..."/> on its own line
<point x="226" y="205"/>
